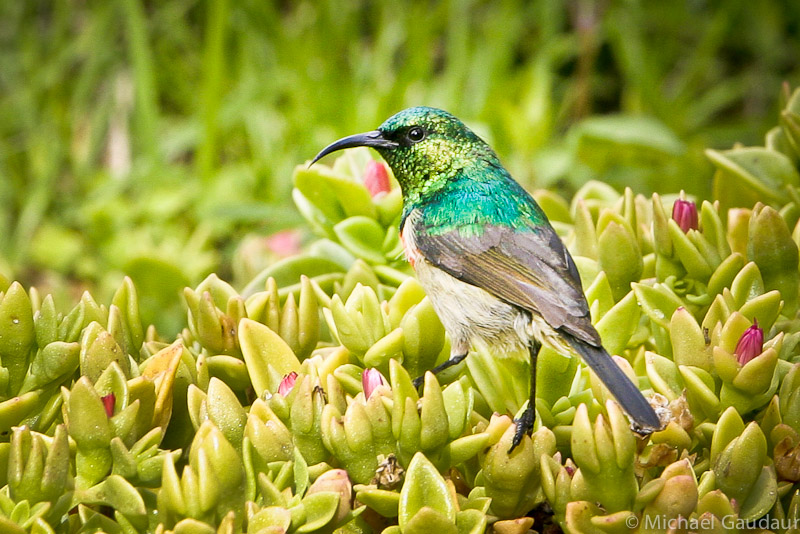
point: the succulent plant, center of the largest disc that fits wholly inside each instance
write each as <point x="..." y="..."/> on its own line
<point x="290" y="406"/>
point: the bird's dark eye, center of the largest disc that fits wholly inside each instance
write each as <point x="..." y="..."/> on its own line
<point x="415" y="134"/>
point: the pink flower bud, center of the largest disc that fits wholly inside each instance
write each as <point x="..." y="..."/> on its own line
<point x="284" y="243"/>
<point x="370" y="380"/>
<point x="287" y="383"/>
<point x="108" y="403"/>
<point x="376" y="178"/>
<point x="751" y="344"/>
<point x="684" y="212"/>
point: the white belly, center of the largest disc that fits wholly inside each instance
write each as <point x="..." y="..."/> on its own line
<point x="472" y="315"/>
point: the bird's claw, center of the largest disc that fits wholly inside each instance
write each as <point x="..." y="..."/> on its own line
<point x="524" y="425"/>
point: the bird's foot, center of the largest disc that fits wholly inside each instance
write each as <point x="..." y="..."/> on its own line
<point x="454" y="360"/>
<point x="524" y="425"/>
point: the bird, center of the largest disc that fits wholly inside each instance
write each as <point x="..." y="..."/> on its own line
<point x="486" y="255"/>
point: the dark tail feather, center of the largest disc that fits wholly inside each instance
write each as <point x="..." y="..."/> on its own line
<point x="626" y="393"/>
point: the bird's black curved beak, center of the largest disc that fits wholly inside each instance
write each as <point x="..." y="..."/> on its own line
<point x="374" y="139"/>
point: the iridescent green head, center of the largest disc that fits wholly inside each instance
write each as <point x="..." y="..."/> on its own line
<point x="425" y="147"/>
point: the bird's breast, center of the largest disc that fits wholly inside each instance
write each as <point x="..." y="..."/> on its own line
<point x="467" y="312"/>
<point x="471" y="314"/>
<point x="409" y="245"/>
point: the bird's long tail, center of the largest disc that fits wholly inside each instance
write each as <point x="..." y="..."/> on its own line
<point x="626" y="393"/>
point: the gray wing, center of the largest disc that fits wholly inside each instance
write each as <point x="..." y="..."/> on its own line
<point x="533" y="270"/>
<point x="528" y="268"/>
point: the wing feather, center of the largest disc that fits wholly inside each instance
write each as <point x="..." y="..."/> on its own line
<point x="528" y="268"/>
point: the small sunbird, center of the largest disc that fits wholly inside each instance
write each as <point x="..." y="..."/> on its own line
<point x="493" y="267"/>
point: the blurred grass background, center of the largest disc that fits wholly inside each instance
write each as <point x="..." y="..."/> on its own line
<point x="153" y="138"/>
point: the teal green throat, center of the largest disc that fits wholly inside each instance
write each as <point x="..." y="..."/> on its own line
<point x="475" y="199"/>
<point x="455" y="177"/>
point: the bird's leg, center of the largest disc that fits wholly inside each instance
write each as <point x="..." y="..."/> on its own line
<point x="454" y="360"/>
<point x="525" y="421"/>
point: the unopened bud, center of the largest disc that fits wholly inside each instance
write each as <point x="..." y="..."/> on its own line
<point x="284" y="243"/>
<point x="287" y="383"/>
<point x="108" y="403"/>
<point x="370" y="380"/>
<point x="751" y="344"/>
<point x="376" y="178"/>
<point x="684" y="212"/>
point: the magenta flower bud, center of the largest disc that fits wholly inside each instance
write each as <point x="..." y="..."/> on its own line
<point x="376" y="178"/>
<point x="287" y="383"/>
<point x="371" y="379"/>
<point x="108" y="403"/>
<point x="751" y="344"/>
<point x="684" y="212"/>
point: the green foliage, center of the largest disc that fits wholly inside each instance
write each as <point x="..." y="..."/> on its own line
<point x="153" y="138"/>
<point x="260" y="415"/>
<point x="250" y="411"/>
